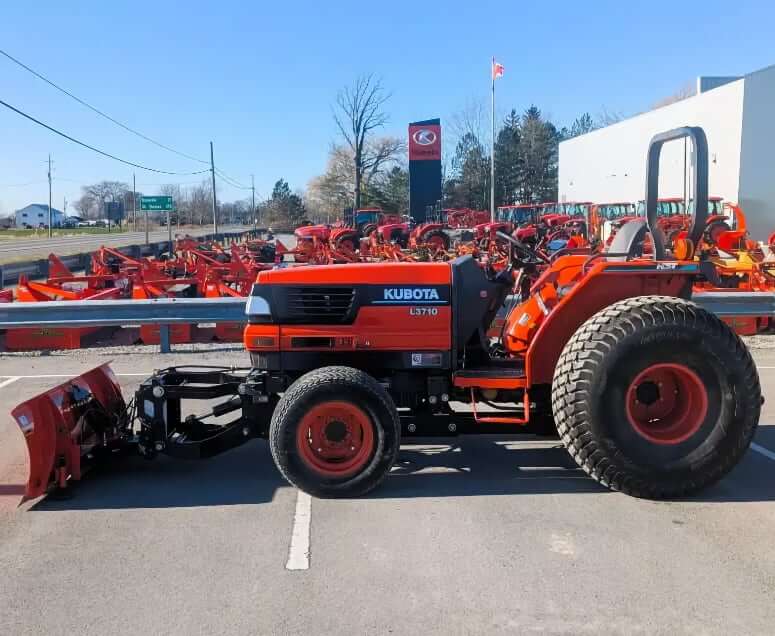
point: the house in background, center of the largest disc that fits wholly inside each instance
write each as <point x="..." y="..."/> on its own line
<point x="36" y="214"/>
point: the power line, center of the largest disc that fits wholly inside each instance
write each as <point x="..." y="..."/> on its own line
<point x="21" y="185"/>
<point x="97" y="150"/>
<point x="231" y="181"/>
<point x="159" y="185"/>
<point x="99" y="112"/>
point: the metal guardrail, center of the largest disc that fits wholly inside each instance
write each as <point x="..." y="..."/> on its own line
<point x="170" y="311"/>
<point x="741" y="304"/>
<point x="121" y="313"/>
<point x="731" y="303"/>
<point x="117" y="313"/>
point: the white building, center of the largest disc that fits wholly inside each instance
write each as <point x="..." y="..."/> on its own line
<point x="738" y="116"/>
<point x="36" y="214"/>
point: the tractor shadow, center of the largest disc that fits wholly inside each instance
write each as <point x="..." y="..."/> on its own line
<point x="483" y="465"/>
<point x="752" y="480"/>
<point x="244" y="475"/>
<point x="493" y="465"/>
<point x="472" y="466"/>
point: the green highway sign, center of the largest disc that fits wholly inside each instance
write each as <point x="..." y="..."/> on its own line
<point x="156" y="204"/>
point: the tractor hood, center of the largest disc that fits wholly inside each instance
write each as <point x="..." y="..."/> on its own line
<point x="310" y="231"/>
<point x="332" y="293"/>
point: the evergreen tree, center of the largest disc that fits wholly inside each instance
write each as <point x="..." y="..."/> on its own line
<point x="285" y="207"/>
<point x="470" y="181"/>
<point x="390" y="191"/>
<point x="538" y="154"/>
<point x="508" y="161"/>
<point x="581" y="126"/>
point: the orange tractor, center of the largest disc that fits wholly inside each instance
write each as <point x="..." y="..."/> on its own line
<point x="339" y="242"/>
<point x="650" y="394"/>
<point x="443" y="226"/>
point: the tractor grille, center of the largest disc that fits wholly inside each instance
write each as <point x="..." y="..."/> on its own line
<point x="319" y="305"/>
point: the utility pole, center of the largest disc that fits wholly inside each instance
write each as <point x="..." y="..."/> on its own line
<point x="50" y="230"/>
<point x="215" y="210"/>
<point x="253" y="202"/>
<point x="134" y="203"/>
<point x="492" y="149"/>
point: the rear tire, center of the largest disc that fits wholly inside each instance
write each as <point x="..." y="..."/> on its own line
<point x="348" y="242"/>
<point x="437" y="238"/>
<point x="367" y="229"/>
<point x="656" y="397"/>
<point x="335" y="433"/>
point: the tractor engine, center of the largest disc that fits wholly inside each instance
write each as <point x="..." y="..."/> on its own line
<point x="406" y="324"/>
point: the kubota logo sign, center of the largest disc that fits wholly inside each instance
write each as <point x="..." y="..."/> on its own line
<point x="425" y="142"/>
<point x="409" y="296"/>
<point x="411" y="293"/>
<point x="424" y="137"/>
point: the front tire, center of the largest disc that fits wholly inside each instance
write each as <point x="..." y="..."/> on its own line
<point x="335" y="433"/>
<point x="656" y="397"/>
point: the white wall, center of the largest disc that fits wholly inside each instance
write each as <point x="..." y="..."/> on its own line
<point x="757" y="158"/>
<point x="610" y="164"/>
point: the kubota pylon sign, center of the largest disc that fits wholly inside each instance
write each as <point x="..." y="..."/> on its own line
<point x="424" y="166"/>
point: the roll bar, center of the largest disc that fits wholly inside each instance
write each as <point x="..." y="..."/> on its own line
<point x="699" y="181"/>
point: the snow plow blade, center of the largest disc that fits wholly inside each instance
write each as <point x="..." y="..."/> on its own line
<point x="80" y="417"/>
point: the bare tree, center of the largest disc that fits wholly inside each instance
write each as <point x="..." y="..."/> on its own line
<point x="686" y="91"/>
<point x="358" y="113"/>
<point x="334" y="190"/>
<point x="472" y="120"/>
<point x="105" y="191"/>
<point x="607" y="117"/>
<point x="379" y="153"/>
<point x="201" y="202"/>
<point x="178" y="201"/>
<point x="466" y="126"/>
<point x="86" y="206"/>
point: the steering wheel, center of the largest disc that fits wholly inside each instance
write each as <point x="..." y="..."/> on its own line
<point x="533" y="257"/>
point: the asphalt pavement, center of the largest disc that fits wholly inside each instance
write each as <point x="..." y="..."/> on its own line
<point x="13" y="249"/>
<point x="467" y="535"/>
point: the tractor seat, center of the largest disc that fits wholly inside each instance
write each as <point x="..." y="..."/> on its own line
<point x="628" y="241"/>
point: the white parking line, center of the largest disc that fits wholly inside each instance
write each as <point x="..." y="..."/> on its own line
<point x="298" y="553"/>
<point x="764" y="451"/>
<point x="8" y="381"/>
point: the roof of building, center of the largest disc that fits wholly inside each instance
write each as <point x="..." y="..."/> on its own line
<point x="42" y="206"/>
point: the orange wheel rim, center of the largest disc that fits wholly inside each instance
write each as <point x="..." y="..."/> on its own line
<point x="335" y="438"/>
<point x="667" y="403"/>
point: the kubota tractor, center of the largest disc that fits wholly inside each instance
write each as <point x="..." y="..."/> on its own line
<point x="651" y="394"/>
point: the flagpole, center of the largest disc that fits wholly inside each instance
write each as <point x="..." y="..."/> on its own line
<point x="492" y="146"/>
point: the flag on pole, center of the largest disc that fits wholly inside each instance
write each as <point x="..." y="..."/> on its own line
<point x="497" y="70"/>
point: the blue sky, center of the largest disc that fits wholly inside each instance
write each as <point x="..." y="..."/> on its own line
<point x="258" y="79"/>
